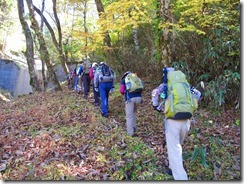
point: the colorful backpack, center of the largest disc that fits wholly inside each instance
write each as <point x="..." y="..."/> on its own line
<point x="105" y="73"/>
<point x="180" y="103"/>
<point x="133" y="83"/>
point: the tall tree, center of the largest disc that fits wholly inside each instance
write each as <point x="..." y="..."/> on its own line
<point x="85" y="25"/>
<point x="58" y="44"/>
<point x="29" y="48"/>
<point x="45" y="83"/>
<point x="166" y="47"/>
<point x="44" y="54"/>
<point x="100" y="10"/>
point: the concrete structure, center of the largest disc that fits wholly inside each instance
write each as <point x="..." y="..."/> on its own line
<point x="14" y="77"/>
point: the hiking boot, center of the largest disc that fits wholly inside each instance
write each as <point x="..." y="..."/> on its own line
<point x="105" y="115"/>
<point x="135" y="129"/>
<point x="169" y="172"/>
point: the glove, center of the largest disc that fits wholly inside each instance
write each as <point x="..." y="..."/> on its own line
<point x="157" y="108"/>
<point x="111" y="90"/>
<point x="96" y="89"/>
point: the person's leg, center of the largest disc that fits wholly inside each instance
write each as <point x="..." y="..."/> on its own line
<point x="185" y="129"/>
<point x="82" y="84"/>
<point x="96" y="96"/>
<point x="76" y="83"/>
<point x="108" y="88"/>
<point x="102" y="90"/>
<point x="85" y="83"/>
<point x="88" y="84"/>
<point x="129" y="111"/>
<point x="136" y="101"/>
<point x="172" y="132"/>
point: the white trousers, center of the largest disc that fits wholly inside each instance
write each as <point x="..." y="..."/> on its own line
<point x="130" y="111"/>
<point x="175" y="131"/>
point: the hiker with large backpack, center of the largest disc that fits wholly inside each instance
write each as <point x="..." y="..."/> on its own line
<point x="179" y="100"/>
<point x="91" y="75"/>
<point x="104" y="81"/>
<point x="86" y="78"/>
<point x="131" y="87"/>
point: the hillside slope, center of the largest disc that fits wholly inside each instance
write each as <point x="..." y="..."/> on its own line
<point x="62" y="136"/>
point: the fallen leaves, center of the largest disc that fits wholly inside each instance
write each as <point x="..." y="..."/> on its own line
<point x="61" y="136"/>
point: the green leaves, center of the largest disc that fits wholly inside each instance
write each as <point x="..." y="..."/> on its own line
<point x="199" y="153"/>
<point x="237" y="122"/>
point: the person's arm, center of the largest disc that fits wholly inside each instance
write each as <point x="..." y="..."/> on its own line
<point x="156" y="98"/>
<point x="122" y="87"/>
<point x="113" y="78"/>
<point x="196" y="93"/>
<point x="80" y="70"/>
<point x="96" y="76"/>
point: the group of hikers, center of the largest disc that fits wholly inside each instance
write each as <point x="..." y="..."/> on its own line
<point x="102" y="78"/>
<point x="175" y="98"/>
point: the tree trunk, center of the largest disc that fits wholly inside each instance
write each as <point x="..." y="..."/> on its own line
<point x="60" y="44"/>
<point x="85" y="27"/>
<point x="43" y="7"/>
<point x="57" y="45"/>
<point x="135" y="38"/>
<point x="44" y="77"/>
<point x="167" y="38"/>
<point x="29" y="48"/>
<point x="100" y="9"/>
<point x="43" y="49"/>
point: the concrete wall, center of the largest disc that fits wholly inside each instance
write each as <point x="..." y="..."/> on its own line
<point x="8" y="75"/>
<point x="14" y="77"/>
<point x="22" y="85"/>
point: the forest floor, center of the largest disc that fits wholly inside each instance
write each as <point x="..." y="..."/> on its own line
<point x="62" y="136"/>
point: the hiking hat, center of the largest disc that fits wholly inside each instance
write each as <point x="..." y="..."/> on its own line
<point x="94" y="64"/>
<point x="125" y="74"/>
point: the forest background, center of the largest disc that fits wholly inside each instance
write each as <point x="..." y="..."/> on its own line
<point x="201" y="38"/>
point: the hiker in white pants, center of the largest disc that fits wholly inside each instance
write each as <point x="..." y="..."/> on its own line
<point x="175" y="129"/>
<point x="175" y="132"/>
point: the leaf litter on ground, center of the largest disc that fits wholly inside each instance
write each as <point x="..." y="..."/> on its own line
<point x="62" y="136"/>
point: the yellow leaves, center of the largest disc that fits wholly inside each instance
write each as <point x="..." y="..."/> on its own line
<point x="124" y="13"/>
<point x="81" y="34"/>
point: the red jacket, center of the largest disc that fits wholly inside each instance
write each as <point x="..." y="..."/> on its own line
<point x="91" y="73"/>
